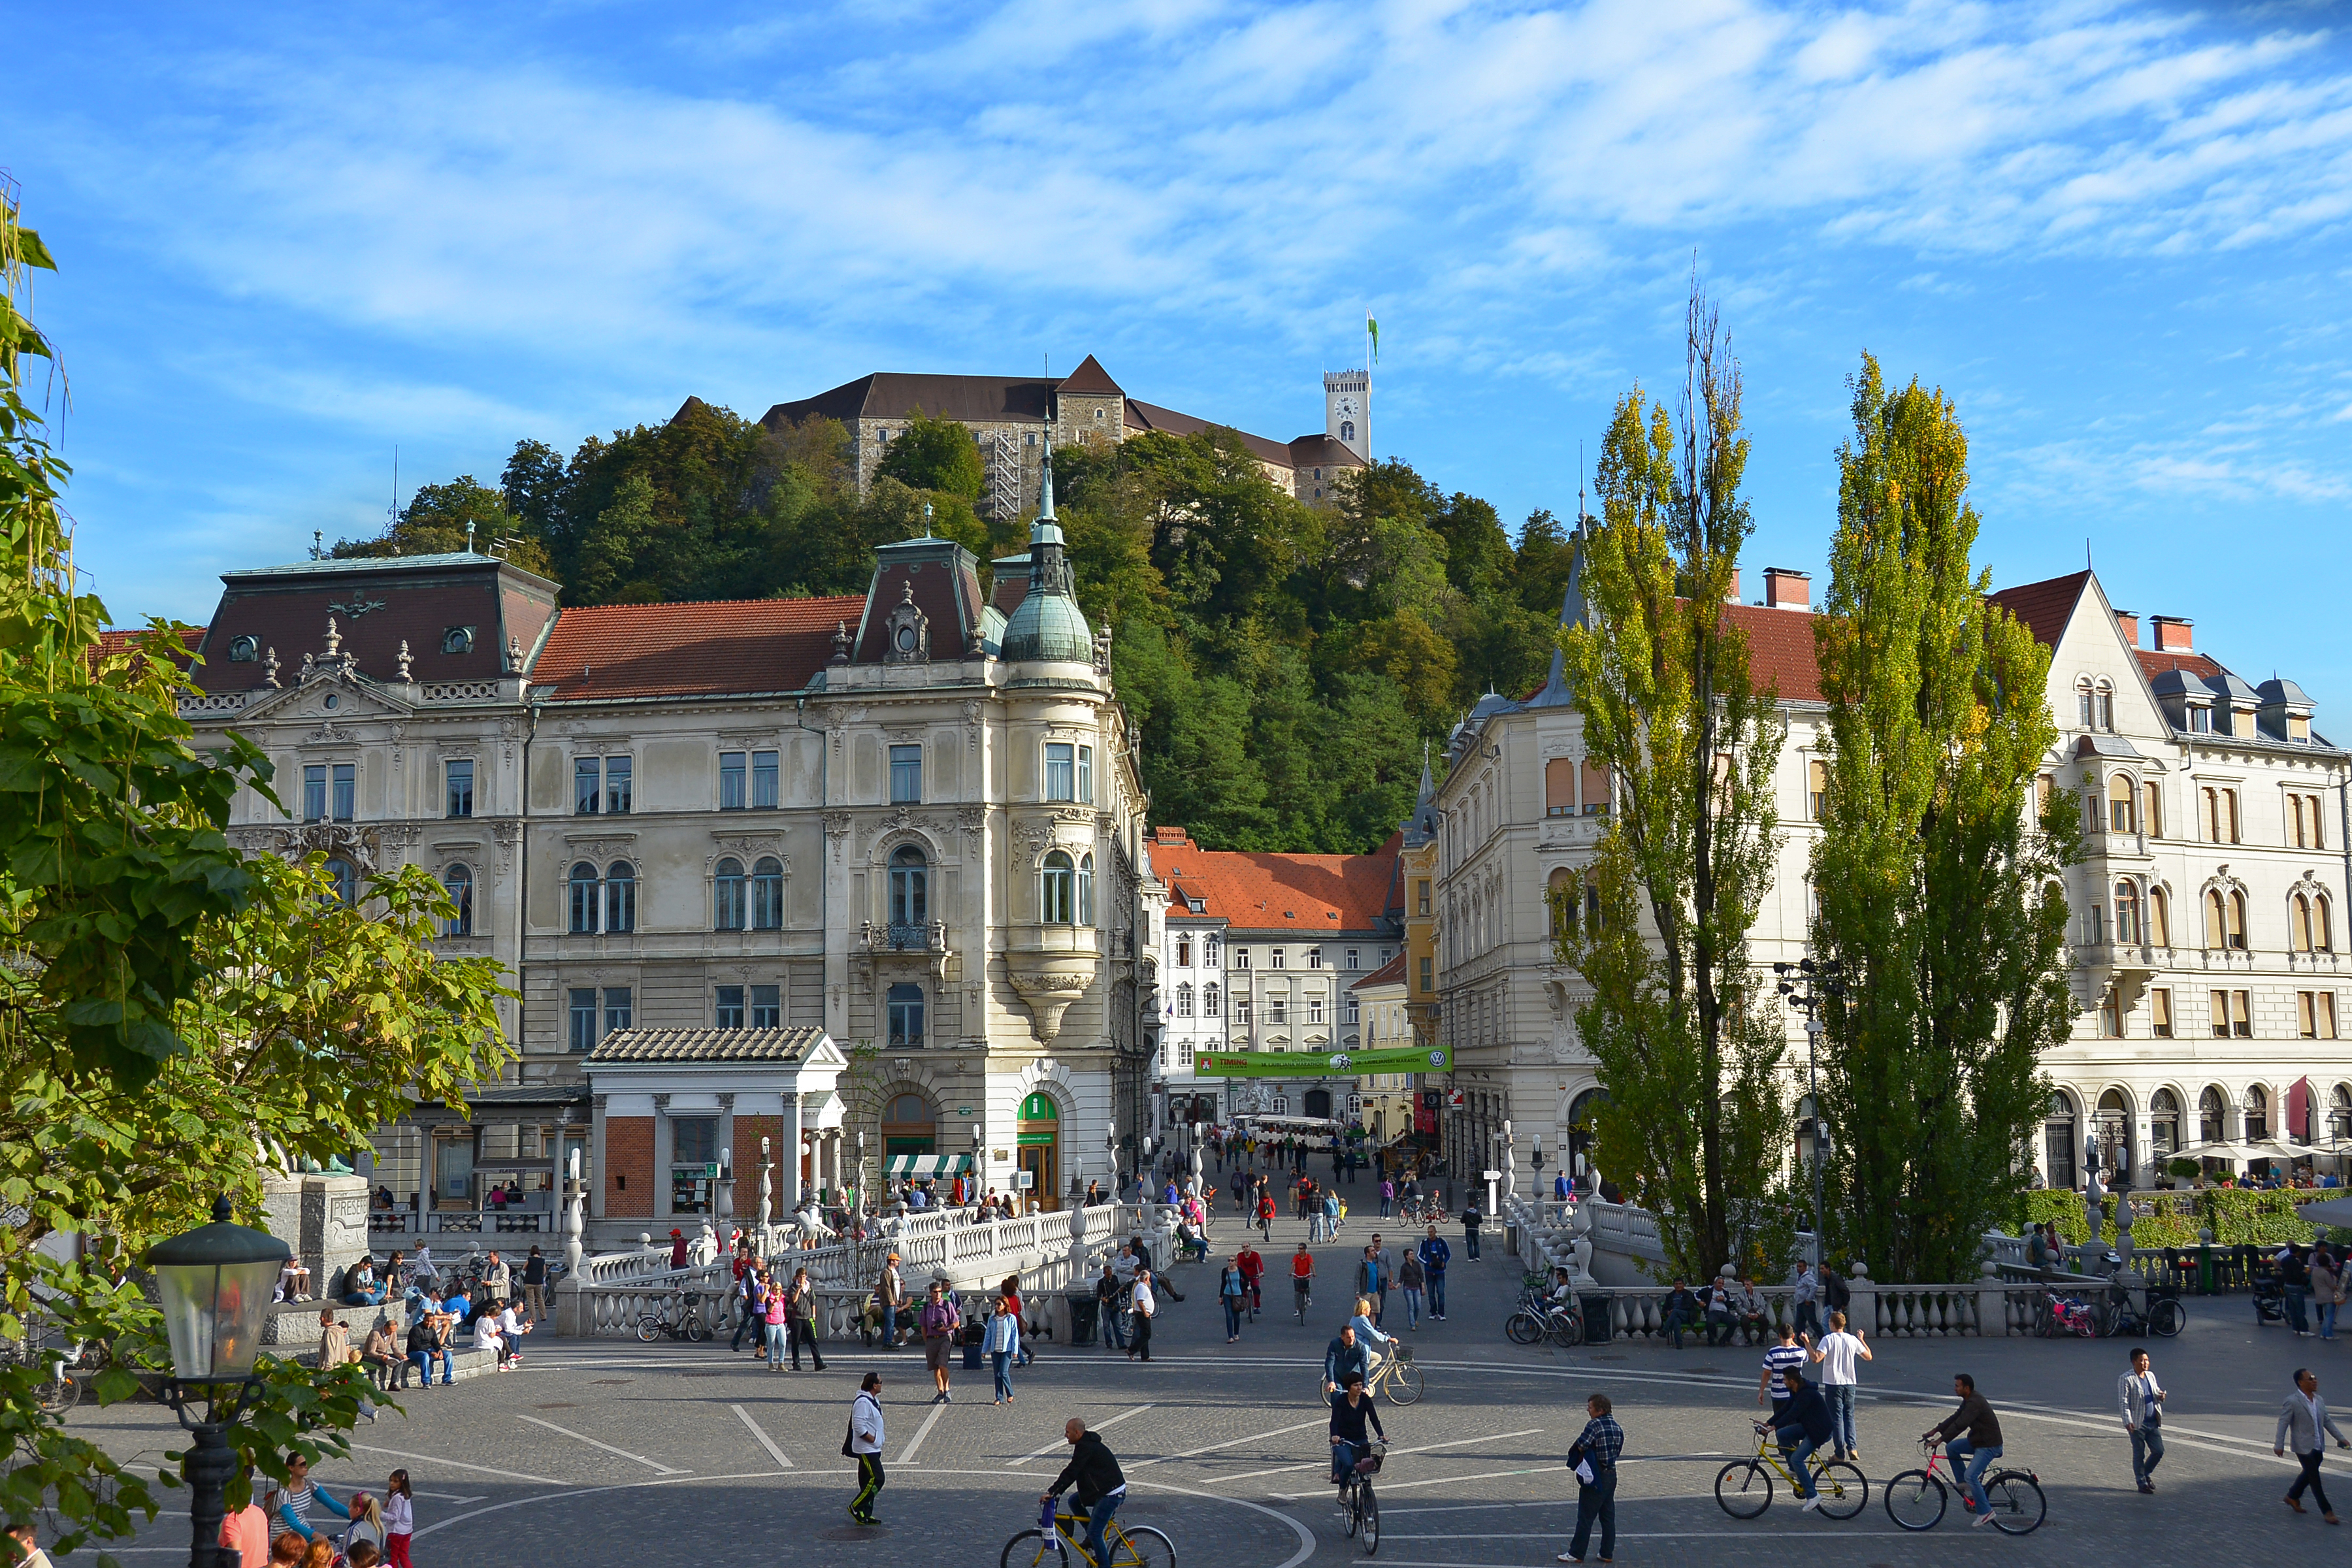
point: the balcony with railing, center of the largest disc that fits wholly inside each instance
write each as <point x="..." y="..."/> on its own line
<point x="918" y="936"/>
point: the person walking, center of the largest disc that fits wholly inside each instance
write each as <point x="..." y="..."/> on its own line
<point x="1373" y="1283"/>
<point x="1593" y="1457"/>
<point x="534" y="1284"/>
<point x="1784" y="1354"/>
<point x="1101" y="1484"/>
<point x="889" y="1293"/>
<point x="2142" y="1399"/>
<point x="800" y="1319"/>
<point x="1003" y="1342"/>
<point x="2303" y="1420"/>
<point x="1233" y="1293"/>
<point x="1106" y="1293"/>
<point x="864" y="1444"/>
<point x="1147" y="1307"/>
<point x="1388" y="1197"/>
<point x="1470" y="1220"/>
<point x="751" y="1285"/>
<point x="1265" y="1212"/>
<point x="1808" y="1297"/>
<point x="776" y="1320"/>
<point x="1434" y="1256"/>
<point x="1837" y="1356"/>
<point x="937" y="1323"/>
<point x="2326" y="1288"/>
<point x="1972" y="1452"/>
<point x="1410" y="1278"/>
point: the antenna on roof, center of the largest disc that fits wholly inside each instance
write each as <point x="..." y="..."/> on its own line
<point x="2086" y="552"/>
<point x="317" y="551"/>
<point x="392" y="512"/>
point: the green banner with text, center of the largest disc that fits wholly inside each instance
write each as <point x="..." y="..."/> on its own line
<point x="1309" y="1064"/>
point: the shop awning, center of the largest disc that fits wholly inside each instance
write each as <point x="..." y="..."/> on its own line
<point x="926" y="1167"/>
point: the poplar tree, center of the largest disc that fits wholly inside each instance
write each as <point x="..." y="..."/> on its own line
<point x="1938" y="890"/>
<point x="1694" y="1122"/>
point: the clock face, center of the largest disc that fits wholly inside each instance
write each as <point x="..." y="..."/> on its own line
<point x="1347" y="409"/>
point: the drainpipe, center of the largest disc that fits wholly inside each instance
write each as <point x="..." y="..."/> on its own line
<point x="522" y="897"/>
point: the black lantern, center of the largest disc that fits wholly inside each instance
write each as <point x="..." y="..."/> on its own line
<point x="216" y="1283"/>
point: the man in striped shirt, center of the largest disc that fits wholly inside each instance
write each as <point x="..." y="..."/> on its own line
<point x="1787" y="1355"/>
<point x="1596" y="1449"/>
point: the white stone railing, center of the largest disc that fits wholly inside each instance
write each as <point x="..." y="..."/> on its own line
<point x="214" y="702"/>
<point x="457" y="691"/>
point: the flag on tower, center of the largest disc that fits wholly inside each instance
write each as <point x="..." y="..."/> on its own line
<point x="1372" y="331"/>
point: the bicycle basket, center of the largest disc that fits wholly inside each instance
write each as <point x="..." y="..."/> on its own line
<point x="1369" y="1465"/>
<point x="1404" y="1355"/>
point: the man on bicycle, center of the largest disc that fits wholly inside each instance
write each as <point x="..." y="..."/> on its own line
<point x="1975" y="1451"/>
<point x="1345" y="1357"/>
<point x="1102" y="1486"/>
<point x="1350" y="1413"/>
<point x="1252" y="1268"/>
<point x="1803" y="1425"/>
<point x="1302" y="1278"/>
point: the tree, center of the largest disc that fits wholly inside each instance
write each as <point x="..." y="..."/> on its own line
<point x="936" y="455"/>
<point x="441" y="520"/>
<point x="1937" y="893"/>
<point x="1695" y="1122"/>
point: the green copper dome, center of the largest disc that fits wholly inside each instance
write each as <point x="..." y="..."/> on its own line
<point x="1047" y="625"/>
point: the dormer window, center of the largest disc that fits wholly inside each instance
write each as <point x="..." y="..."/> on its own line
<point x="458" y="639"/>
<point x="245" y="650"/>
<point x="2200" y="719"/>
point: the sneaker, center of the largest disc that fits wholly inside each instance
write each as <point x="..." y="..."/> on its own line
<point x="1980" y="1520"/>
<point x="1568" y="1557"/>
<point x="2147" y="1487"/>
<point x="1810" y="1504"/>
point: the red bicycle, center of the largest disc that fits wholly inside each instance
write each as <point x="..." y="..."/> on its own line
<point x="1916" y="1499"/>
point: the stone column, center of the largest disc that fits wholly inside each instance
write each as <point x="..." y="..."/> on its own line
<point x="788" y="1136"/>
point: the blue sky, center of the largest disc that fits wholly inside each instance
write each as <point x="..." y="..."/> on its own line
<point x="2119" y="235"/>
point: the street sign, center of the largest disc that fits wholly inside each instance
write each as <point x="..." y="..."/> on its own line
<point x="1023" y="1179"/>
<point x="1490" y="1175"/>
<point x="1453" y="1100"/>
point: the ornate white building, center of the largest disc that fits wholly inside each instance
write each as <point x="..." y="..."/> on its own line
<point x="2209" y="969"/>
<point x="910" y="820"/>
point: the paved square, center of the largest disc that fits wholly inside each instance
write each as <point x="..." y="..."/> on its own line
<point x="614" y="1452"/>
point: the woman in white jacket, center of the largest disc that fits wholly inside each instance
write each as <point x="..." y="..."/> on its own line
<point x="1002" y="1343"/>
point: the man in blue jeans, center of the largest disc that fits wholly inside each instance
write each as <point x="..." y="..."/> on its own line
<point x="428" y="1337"/>
<point x="1970" y="1454"/>
<point x="1102" y="1486"/>
<point x="1434" y="1254"/>
<point x="1804" y="1426"/>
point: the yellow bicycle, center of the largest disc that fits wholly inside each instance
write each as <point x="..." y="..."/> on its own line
<point x="1059" y="1539"/>
<point x="1744" y="1487"/>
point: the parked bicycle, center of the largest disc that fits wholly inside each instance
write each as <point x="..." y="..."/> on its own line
<point x="2164" y="1318"/>
<point x="1536" y="1319"/>
<point x="1059" y="1539"/>
<point x="679" y="1316"/>
<point x="1744" y="1487"/>
<point x="1916" y="1499"/>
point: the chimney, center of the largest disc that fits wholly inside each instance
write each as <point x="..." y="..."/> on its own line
<point x="1785" y="589"/>
<point x="1733" y="595"/>
<point x="2128" y="624"/>
<point x="2171" y="633"/>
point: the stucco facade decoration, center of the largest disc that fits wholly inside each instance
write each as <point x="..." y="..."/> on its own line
<point x="2208" y="957"/>
<point x="846" y="815"/>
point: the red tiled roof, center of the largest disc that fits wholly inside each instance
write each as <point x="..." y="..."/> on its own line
<point x="111" y="643"/>
<point x="2153" y="664"/>
<point x="1779" y="651"/>
<point x="690" y="650"/>
<point x="1390" y="972"/>
<point x="2046" y="606"/>
<point x="1315" y="896"/>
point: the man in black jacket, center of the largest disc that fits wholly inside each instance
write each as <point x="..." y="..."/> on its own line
<point x="1804" y="1427"/>
<point x="1102" y="1486"/>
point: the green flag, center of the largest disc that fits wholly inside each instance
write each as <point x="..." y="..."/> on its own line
<point x="1372" y="331"/>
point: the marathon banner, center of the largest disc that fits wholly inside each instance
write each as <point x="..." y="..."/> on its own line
<point x="1308" y="1064"/>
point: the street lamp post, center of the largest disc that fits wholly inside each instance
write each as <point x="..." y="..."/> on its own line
<point x="215" y="1283"/>
<point x="1820" y="981"/>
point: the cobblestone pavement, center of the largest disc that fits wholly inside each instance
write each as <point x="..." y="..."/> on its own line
<point x="616" y="1452"/>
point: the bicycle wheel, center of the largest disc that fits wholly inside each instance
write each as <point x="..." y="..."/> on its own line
<point x="1523" y="1329"/>
<point x="2015" y="1502"/>
<point x="696" y="1331"/>
<point x="1566" y="1328"/>
<point x="1404" y="1385"/>
<point x="57" y="1394"/>
<point x="1843" y="1489"/>
<point x="1143" y="1547"/>
<point x="2166" y="1318"/>
<point x="1372" y="1510"/>
<point x="648" y="1327"/>
<point x="1744" y="1487"/>
<point x="1032" y="1548"/>
<point x="1914" y="1501"/>
<point x="1352" y="1508"/>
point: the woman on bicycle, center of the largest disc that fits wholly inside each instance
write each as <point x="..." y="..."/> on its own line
<point x="1376" y="1345"/>
<point x="1352" y="1411"/>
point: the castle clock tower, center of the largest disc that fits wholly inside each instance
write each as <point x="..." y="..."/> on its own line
<point x="1348" y="410"/>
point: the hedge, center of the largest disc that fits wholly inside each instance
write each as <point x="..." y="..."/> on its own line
<point x="2236" y="1216"/>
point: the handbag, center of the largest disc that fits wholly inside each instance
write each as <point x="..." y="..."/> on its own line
<point x="848" y="1438"/>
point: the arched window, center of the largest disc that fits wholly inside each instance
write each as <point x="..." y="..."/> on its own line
<point x="2216" y="921"/>
<point x="768" y="894"/>
<point x="457" y="881"/>
<point x="906" y="1003"/>
<point x="2126" y="912"/>
<point x="1208" y="1001"/>
<point x="726" y="895"/>
<point x="1346" y="430"/>
<point x="2159" y="918"/>
<point x="2058" y="1141"/>
<point x="2298" y="923"/>
<point x="583" y="883"/>
<point x="1085" y="889"/>
<point x="620" y="897"/>
<point x="2121" y="815"/>
<point x="1562" y="893"/>
<point x="2084" y="712"/>
<point x="2238" y="921"/>
<point x="2339" y="1113"/>
<point x="2163" y="1125"/>
<point x="1209" y="954"/>
<point x="1058" y="890"/>
<point x="2111" y="1138"/>
<point x="2258" y="1113"/>
<point x="346" y="877"/>
<point x="2212" y="1116"/>
<point x="911" y="895"/>
<point x="1184" y="1001"/>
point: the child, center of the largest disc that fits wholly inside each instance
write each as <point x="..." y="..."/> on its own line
<point x="363" y="1555"/>
<point x="319" y="1553"/>
<point x="399" y="1519"/>
<point x="286" y="1552"/>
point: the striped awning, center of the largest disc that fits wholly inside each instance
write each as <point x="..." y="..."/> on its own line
<point x="926" y="1167"/>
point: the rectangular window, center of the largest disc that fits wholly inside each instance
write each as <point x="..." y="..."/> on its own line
<point x="2153" y="817"/>
<point x="1353" y="960"/>
<point x="1087" y="774"/>
<point x="1314" y="958"/>
<point x="1277" y="1009"/>
<point x="1426" y="965"/>
<point x="728" y="1014"/>
<point x="461" y="801"/>
<point x="1315" y="1009"/>
<point x="731" y="781"/>
<point x="1560" y="787"/>
<point x="2159" y="1013"/>
<point x="1421" y="896"/>
<point x="2111" y="1017"/>
<point x="2220" y="1015"/>
<point x="1241" y="958"/>
<point x="1241" y="1011"/>
<point x="1593" y="785"/>
<point x="2306" y="1008"/>
<point x="586" y="799"/>
<point x="1183" y="952"/>
<point x="314" y="793"/>
<point x="1183" y="1053"/>
<point x="907" y="774"/>
<point x="2327" y="1015"/>
<point x="1281" y="957"/>
<point x="767" y="1008"/>
<point x="1355" y="1009"/>
<point x="763" y="781"/>
<point x="618" y="1008"/>
<point x="2230" y="815"/>
<point x="583" y="1019"/>
<point x="616" y="786"/>
<point x="2200" y="721"/>
<point x="346" y="791"/>
<point x="693" y="1150"/>
<point x="2242" y="1014"/>
<point x="1061" y="771"/>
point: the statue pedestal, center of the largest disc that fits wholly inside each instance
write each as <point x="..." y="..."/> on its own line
<point x="334" y="1227"/>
